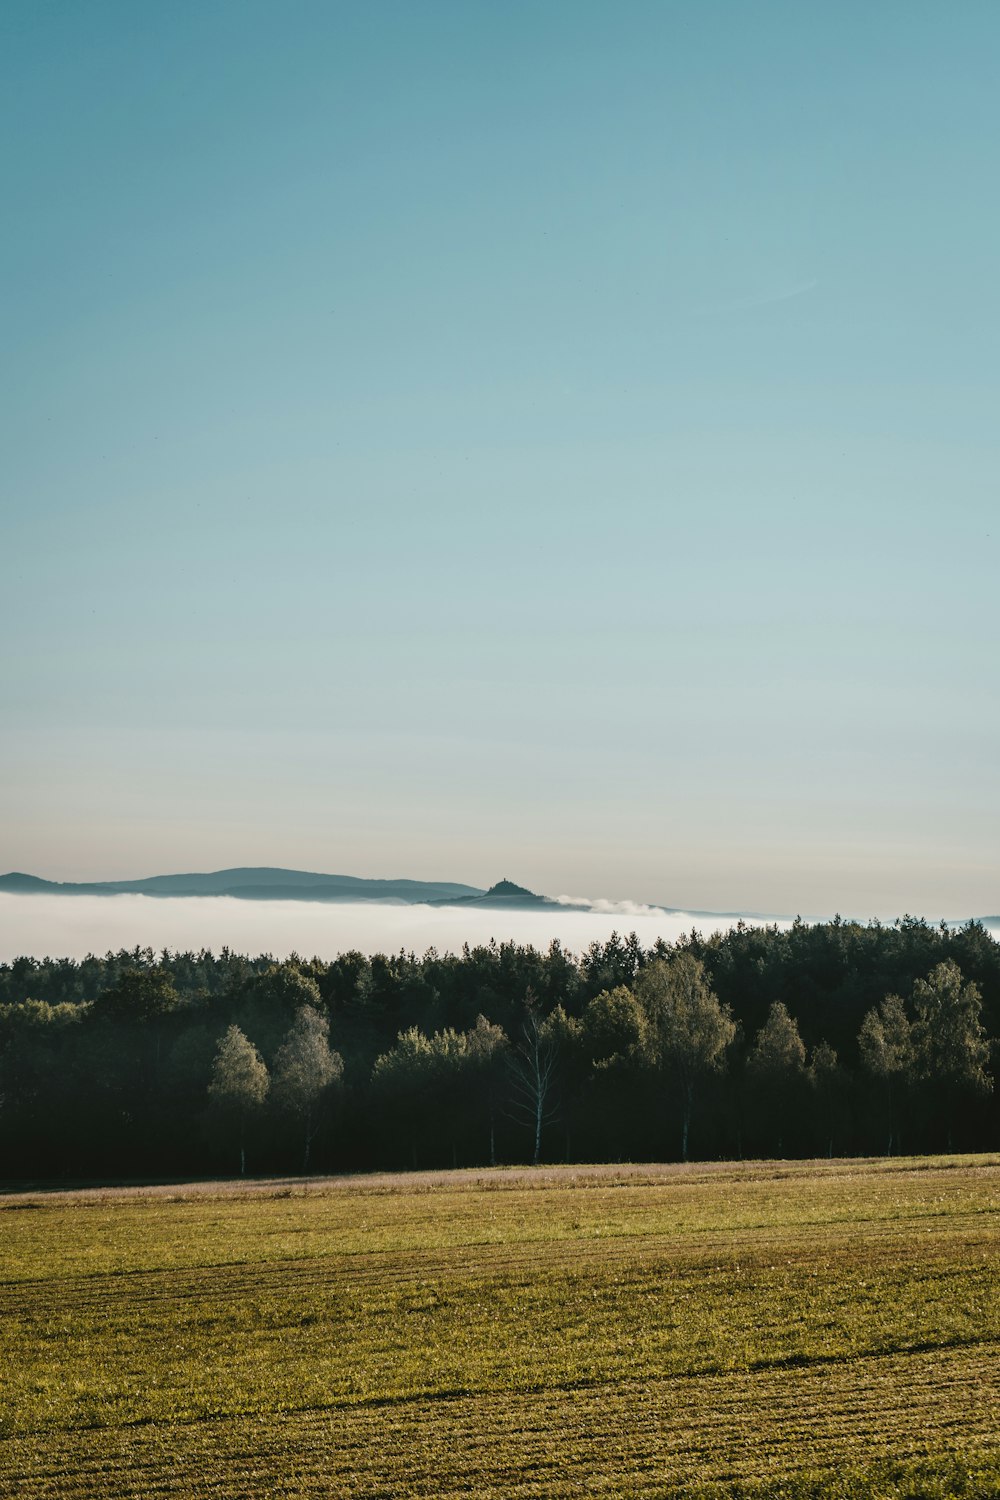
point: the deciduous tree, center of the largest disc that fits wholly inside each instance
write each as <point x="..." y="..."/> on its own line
<point x="304" y="1068"/>
<point x="487" y="1049"/>
<point x="687" y="1029"/>
<point x="532" y="1067"/>
<point x="239" y="1083"/>
<point x="828" y="1083"/>
<point x="428" y="1076"/>
<point x="950" y="1045"/>
<point x="615" y="1029"/>
<point x="776" y="1066"/>
<point x="885" y="1043"/>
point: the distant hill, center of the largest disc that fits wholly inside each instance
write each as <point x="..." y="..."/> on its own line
<point x="503" y="896"/>
<point x="255" y="884"/>
<point x="18" y="882"/>
<point x="267" y="883"/>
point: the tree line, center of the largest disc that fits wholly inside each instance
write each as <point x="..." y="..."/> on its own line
<point x="824" y="1038"/>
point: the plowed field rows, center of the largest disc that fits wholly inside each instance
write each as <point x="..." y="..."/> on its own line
<point x="797" y="1329"/>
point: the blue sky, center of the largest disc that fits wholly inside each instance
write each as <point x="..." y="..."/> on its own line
<point x="553" y="440"/>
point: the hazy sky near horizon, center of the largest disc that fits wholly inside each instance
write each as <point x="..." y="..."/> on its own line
<point x="552" y="440"/>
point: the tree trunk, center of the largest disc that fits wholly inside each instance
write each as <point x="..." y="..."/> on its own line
<point x="243" y="1154"/>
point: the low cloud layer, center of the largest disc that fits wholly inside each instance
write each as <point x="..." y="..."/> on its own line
<point x="73" y="926"/>
<point x="602" y="907"/>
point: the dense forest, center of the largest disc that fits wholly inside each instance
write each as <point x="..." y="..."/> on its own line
<point x="831" y="1038"/>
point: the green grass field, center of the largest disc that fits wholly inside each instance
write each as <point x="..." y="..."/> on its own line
<point x="797" y="1329"/>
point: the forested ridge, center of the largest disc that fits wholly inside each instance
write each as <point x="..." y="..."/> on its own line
<point x="832" y="1038"/>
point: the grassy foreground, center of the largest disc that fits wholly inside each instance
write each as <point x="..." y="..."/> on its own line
<point x="794" y="1329"/>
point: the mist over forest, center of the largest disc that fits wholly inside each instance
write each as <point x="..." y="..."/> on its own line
<point x="74" y="926"/>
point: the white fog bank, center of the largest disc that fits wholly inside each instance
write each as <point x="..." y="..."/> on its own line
<point x="73" y="926"/>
